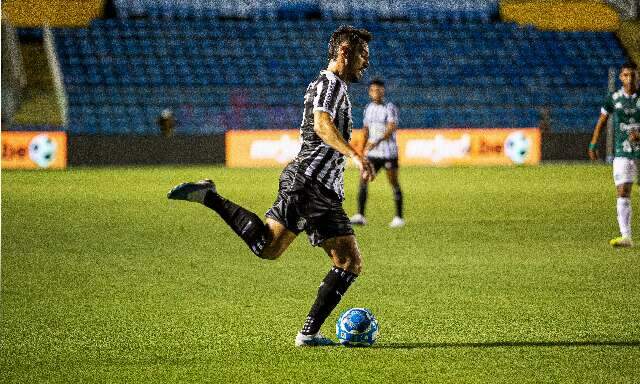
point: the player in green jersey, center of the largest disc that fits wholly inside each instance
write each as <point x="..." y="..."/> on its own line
<point x="624" y="106"/>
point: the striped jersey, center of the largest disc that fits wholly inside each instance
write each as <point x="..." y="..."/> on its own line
<point x="376" y="118"/>
<point x="318" y="161"/>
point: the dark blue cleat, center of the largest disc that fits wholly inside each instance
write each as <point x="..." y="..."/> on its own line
<point x="194" y="192"/>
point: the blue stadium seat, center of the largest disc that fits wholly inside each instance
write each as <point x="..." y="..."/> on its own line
<point x="456" y="59"/>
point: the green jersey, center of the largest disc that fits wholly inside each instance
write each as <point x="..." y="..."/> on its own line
<point x="625" y="111"/>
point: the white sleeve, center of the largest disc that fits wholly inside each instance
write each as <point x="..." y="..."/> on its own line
<point x="365" y="118"/>
<point x="392" y="113"/>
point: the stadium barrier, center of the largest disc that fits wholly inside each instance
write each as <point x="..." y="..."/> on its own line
<point x="34" y="150"/>
<point x="430" y="147"/>
<point x="97" y="150"/>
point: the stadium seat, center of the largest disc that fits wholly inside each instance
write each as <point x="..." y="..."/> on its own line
<point x="496" y="73"/>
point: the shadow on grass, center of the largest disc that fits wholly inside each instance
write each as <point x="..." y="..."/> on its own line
<point x="504" y="344"/>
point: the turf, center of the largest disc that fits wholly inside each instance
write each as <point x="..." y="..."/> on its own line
<point x="501" y="275"/>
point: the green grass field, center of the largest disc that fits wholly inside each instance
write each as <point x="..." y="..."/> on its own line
<point x="501" y="275"/>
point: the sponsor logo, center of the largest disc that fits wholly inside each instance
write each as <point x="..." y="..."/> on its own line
<point x="282" y="150"/>
<point x="32" y="150"/>
<point x="439" y="148"/>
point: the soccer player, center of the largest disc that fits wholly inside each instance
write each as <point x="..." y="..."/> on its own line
<point x="381" y="149"/>
<point x="311" y="188"/>
<point x="624" y="106"/>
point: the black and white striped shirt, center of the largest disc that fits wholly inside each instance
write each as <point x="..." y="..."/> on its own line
<point x="376" y="117"/>
<point x="317" y="160"/>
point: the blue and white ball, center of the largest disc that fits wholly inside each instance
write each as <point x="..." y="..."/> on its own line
<point x="357" y="327"/>
<point x="517" y="147"/>
<point x="42" y="150"/>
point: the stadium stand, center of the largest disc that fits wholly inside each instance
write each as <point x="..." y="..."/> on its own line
<point x="36" y="13"/>
<point x="296" y="9"/>
<point x="558" y="15"/>
<point x="444" y="67"/>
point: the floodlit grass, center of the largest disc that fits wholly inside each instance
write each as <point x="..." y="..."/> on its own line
<point x="501" y="275"/>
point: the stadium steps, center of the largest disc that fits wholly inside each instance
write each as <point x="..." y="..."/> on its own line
<point x="39" y="106"/>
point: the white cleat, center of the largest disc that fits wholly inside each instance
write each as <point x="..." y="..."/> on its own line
<point x="194" y="192"/>
<point x="317" y="340"/>
<point x="358" y="219"/>
<point x="397" y="222"/>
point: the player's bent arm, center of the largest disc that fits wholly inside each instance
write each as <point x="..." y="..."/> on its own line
<point x="326" y="130"/>
<point x="593" y="145"/>
<point x="391" y="127"/>
<point x="365" y="138"/>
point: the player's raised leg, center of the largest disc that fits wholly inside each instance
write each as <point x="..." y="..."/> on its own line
<point x="347" y="265"/>
<point x="392" y="176"/>
<point x="267" y="240"/>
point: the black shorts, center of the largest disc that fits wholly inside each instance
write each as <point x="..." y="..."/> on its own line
<point x="381" y="162"/>
<point x="307" y="205"/>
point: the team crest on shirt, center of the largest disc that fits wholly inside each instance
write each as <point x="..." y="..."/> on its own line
<point x="301" y="223"/>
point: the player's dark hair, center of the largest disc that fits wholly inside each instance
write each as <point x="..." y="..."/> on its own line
<point x="351" y="35"/>
<point x="629" y="65"/>
<point x="377" y="81"/>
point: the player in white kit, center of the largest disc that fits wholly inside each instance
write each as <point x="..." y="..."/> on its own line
<point x="380" y="147"/>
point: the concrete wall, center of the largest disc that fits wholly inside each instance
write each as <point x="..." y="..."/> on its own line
<point x="568" y="146"/>
<point x="124" y="150"/>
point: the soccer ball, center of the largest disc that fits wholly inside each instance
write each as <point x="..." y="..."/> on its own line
<point x="517" y="147"/>
<point x="42" y="150"/>
<point x="357" y="327"/>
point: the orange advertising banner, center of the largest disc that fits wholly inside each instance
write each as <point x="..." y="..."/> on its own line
<point x="443" y="147"/>
<point x="435" y="147"/>
<point x="266" y="148"/>
<point x="34" y="150"/>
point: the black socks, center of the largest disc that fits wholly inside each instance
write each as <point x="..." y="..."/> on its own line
<point x="397" y="197"/>
<point x="244" y="223"/>
<point x="362" y="198"/>
<point x="331" y="290"/>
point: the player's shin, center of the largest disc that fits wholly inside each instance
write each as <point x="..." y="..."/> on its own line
<point x="397" y="197"/>
<point x="244" y="223"/>
<point x="623" y="208"/>
<point x="362" y="198"/>
<point x="332" y="288"/>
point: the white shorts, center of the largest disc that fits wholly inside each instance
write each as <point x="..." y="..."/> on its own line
<point x="625" y="170"/>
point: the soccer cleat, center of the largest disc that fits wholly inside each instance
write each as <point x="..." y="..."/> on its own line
<point x="316" y="340"/>
<point x="621" y="242"/>
<point x="397" y="222"/>
<point x="194" y="192"/>
<point x="358" y="219"/>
